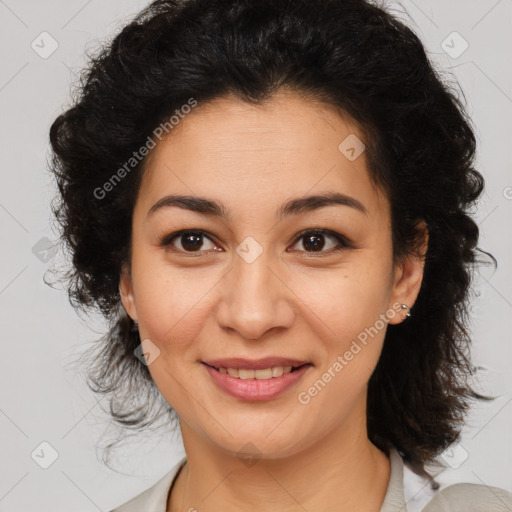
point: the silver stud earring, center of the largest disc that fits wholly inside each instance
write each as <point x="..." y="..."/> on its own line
<point x="404" y="306"/>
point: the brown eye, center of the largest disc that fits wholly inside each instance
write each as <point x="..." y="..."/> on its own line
<point x="320" y="241"/>
<point x="189" y="241"/>
<point x="313" y="242"/>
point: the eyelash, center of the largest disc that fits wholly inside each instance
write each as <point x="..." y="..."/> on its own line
<point x="342" y="241"/>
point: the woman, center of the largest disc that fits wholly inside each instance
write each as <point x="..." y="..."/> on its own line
<point x="269" y="202"/>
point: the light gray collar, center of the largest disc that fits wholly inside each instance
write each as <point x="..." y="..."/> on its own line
<point x="394" y="501"/>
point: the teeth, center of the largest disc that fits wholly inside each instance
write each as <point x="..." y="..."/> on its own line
<point x="263" y="374"/>
<point x="277" y="371"/>
<point x="245" y="374"/>
<point x="233" y="372"/>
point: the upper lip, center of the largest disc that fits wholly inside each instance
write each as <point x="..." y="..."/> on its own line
<point x="254" y="364"/>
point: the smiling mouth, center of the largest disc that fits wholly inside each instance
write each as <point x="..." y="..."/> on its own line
<point x="259" y="374"/>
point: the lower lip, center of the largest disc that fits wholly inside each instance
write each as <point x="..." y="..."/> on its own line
<point x="256" y="389"/>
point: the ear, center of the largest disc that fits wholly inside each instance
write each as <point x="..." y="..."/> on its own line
<point x="126" y="292"/>
<point x="409" y="274"/>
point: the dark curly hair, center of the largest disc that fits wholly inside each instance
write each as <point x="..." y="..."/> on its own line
<point x="349" y="54"/>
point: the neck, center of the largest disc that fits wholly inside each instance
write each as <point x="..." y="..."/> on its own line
<point x="343" y="471"/>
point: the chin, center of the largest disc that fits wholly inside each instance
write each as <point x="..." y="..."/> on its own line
<point x="268" y="440"/>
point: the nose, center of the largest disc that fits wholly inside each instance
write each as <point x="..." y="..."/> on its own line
<point x="255" y="299"/>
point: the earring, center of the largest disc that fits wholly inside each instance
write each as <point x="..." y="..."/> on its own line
<point x="135" y="326"/>
<point x="404" y="306"/>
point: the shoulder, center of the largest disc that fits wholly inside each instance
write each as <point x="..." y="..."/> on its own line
<point x="465" y="497"/>
<point x="153" y="499"/>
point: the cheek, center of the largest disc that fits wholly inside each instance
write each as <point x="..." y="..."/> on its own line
<point x="352" y="304"/>
<point x="350" y="298"/>
<point x="171" y="307"/>
<point x="349" y="357"/>
<point x="171" y="303"/>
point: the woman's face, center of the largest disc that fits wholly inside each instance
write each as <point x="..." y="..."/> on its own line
<point x="247" y="285"/>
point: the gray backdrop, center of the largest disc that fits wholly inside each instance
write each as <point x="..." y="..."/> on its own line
<point x="50" y="423"/>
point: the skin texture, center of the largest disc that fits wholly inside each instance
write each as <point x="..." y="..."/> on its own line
<point x="288" y="302"/>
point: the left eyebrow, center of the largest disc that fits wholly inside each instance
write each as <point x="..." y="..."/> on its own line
<point x="310" y="203"/>
<point x="293" y="207"/>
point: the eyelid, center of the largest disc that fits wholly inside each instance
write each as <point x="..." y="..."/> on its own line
<point x="343" y="241"/>
<point x="168" y="239"/>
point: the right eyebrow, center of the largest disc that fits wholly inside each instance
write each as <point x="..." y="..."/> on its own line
<point x="195" y="204"/>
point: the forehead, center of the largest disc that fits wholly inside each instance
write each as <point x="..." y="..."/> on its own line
<point x="248" y="155"/>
